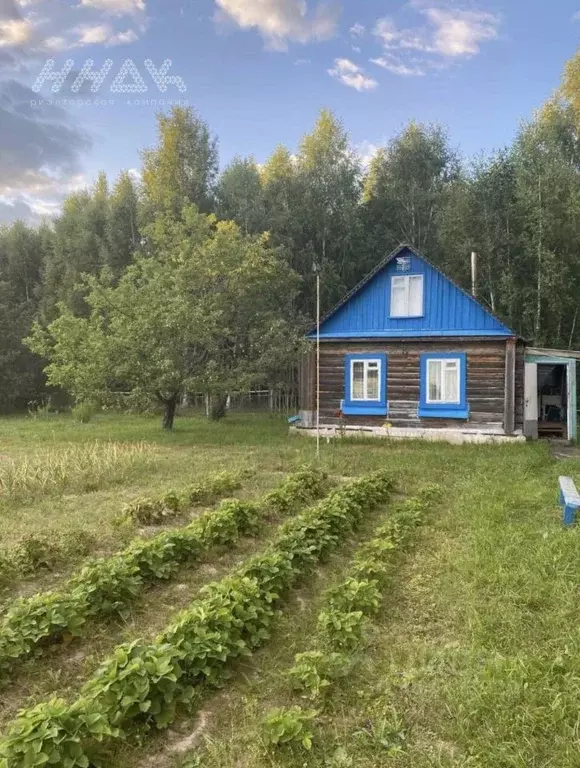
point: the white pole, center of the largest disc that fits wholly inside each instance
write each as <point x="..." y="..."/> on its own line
<point x="318" y="365"/>
<point x="473" y="274"/>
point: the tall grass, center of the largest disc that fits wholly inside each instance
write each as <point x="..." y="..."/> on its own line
<point x="75" y="468"/>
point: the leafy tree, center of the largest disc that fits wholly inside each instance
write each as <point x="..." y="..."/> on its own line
<point x="329" y="187"/>
<point x="183" y="167"/>
<point x="80" y="247"/>
<point x="239" y="195"/>
<point x="404" y="188"/>
<point x="209" y="310"/>
<point x="281" y="197"/>
<point x="123" y="233"/>
<point x="22" y="252"/>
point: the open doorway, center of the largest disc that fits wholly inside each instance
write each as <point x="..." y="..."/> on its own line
<point x="552" y="400"/>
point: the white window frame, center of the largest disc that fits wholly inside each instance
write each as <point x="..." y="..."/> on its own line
<point x="365" y="398"/>
<point x="444" y="362"/>
<point x="407" y="283"/>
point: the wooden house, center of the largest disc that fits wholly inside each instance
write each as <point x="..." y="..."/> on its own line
<point x="408" y="353"/>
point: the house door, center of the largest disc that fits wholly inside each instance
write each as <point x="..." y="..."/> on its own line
<point x="553" y="400"/>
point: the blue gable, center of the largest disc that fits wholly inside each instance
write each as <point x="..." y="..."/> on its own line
<point x="447" y="309"/>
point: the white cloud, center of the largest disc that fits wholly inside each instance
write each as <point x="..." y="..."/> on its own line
<point x="447" y="34"/>
<point x="398" y="67"/>
<point x="116" y="7"/>
<point x="352" y="75"/>
<point x="460" y="33"/>
<point x="89" y="34"/>
<point x="576" y="16"/>
<point x="357" y="30"/>
<point x="281" y="21"/>
<point x="14" y="32"/>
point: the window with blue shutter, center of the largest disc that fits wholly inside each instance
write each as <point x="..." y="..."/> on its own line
<point x="444" y="386"/>
<point x="365" y="384"/>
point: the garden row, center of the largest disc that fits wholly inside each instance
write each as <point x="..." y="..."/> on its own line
<point x="108" y="585"/>
<point x="47" y="551"/>
<point x="341" y="624"/>
<point x="143" y="685"/>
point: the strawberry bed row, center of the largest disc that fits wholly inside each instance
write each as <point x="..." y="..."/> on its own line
<point x="108" y="585"/>
<point x="341" y="623"/>
<point x="144" y="684"/>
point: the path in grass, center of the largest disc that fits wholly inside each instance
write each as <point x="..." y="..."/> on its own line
<point x="474" y="659"/>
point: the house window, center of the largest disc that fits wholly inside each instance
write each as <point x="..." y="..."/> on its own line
<point x="443" y="381"/>
<point x="444" y="386"/>
<point x="365" y="389"/>
<point x="365" y="376"/>
<point x="407" y="296"/>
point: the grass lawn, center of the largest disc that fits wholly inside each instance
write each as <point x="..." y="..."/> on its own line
<point x="472" y="661"/>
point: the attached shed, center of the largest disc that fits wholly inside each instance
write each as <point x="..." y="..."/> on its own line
<point x="409" y="353"/>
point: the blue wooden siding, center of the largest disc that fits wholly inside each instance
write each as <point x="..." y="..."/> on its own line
<point x="447" y="310"/>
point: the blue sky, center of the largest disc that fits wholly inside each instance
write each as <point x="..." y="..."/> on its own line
<point x="258" y="71"/>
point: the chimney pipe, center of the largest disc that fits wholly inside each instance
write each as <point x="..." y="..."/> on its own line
<point x="473" y="274"/>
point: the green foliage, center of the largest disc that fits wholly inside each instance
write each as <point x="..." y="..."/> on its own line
<point x="156" y="511"/>
<point x="340" y="628"/>
<point x="143" y="684"/>
<point x="341" y="622"/>
<point x="289" y="725"/>
<point x="155" y="337"/>
<point x="108" y="585"/>
<point x="314" y="670"/>
<point x="182" y="168"/>
<point x="51" y="734"/>
<point x="83" y="412"/>
<point x="298" y="489"/>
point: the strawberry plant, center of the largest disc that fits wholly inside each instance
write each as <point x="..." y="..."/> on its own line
<point x="144" y="684"/>
<point x="108" y="585"/>
<point x="289" y="726"/>
<point x="314" y="670"/>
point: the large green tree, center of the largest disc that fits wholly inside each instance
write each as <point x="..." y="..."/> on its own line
<point x="208" y="309"/>
<point x="239" y="195"/>
<point x="182" y="168"/>
<point x="404" y="190"/>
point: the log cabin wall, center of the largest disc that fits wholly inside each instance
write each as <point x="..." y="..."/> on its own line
<point x="486" y="360"/>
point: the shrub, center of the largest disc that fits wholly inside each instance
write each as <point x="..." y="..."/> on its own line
<point x="83" y="412"/>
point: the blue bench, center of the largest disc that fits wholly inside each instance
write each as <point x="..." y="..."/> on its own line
<point x="569" y="499"/>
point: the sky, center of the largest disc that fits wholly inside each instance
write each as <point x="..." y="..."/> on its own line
<point x="258" y="71"/>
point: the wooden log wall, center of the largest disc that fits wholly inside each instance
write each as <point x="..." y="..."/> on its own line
<point x="486" y="371"/>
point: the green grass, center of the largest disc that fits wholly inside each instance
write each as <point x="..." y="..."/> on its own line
<point x="473" y="660"/>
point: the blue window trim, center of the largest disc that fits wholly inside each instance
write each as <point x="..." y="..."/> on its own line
<point x="366" y="407"/>
<point x="458" y="410"/>
<point x="390" y="289"/>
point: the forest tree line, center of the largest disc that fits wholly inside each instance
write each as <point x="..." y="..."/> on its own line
<point x="518" y="208"/>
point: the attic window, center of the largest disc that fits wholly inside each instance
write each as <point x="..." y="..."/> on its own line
<point x="407" y="296"/>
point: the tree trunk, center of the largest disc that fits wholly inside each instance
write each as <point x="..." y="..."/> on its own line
<point x="170" y="406"/>
<point x="218" y="407"/>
